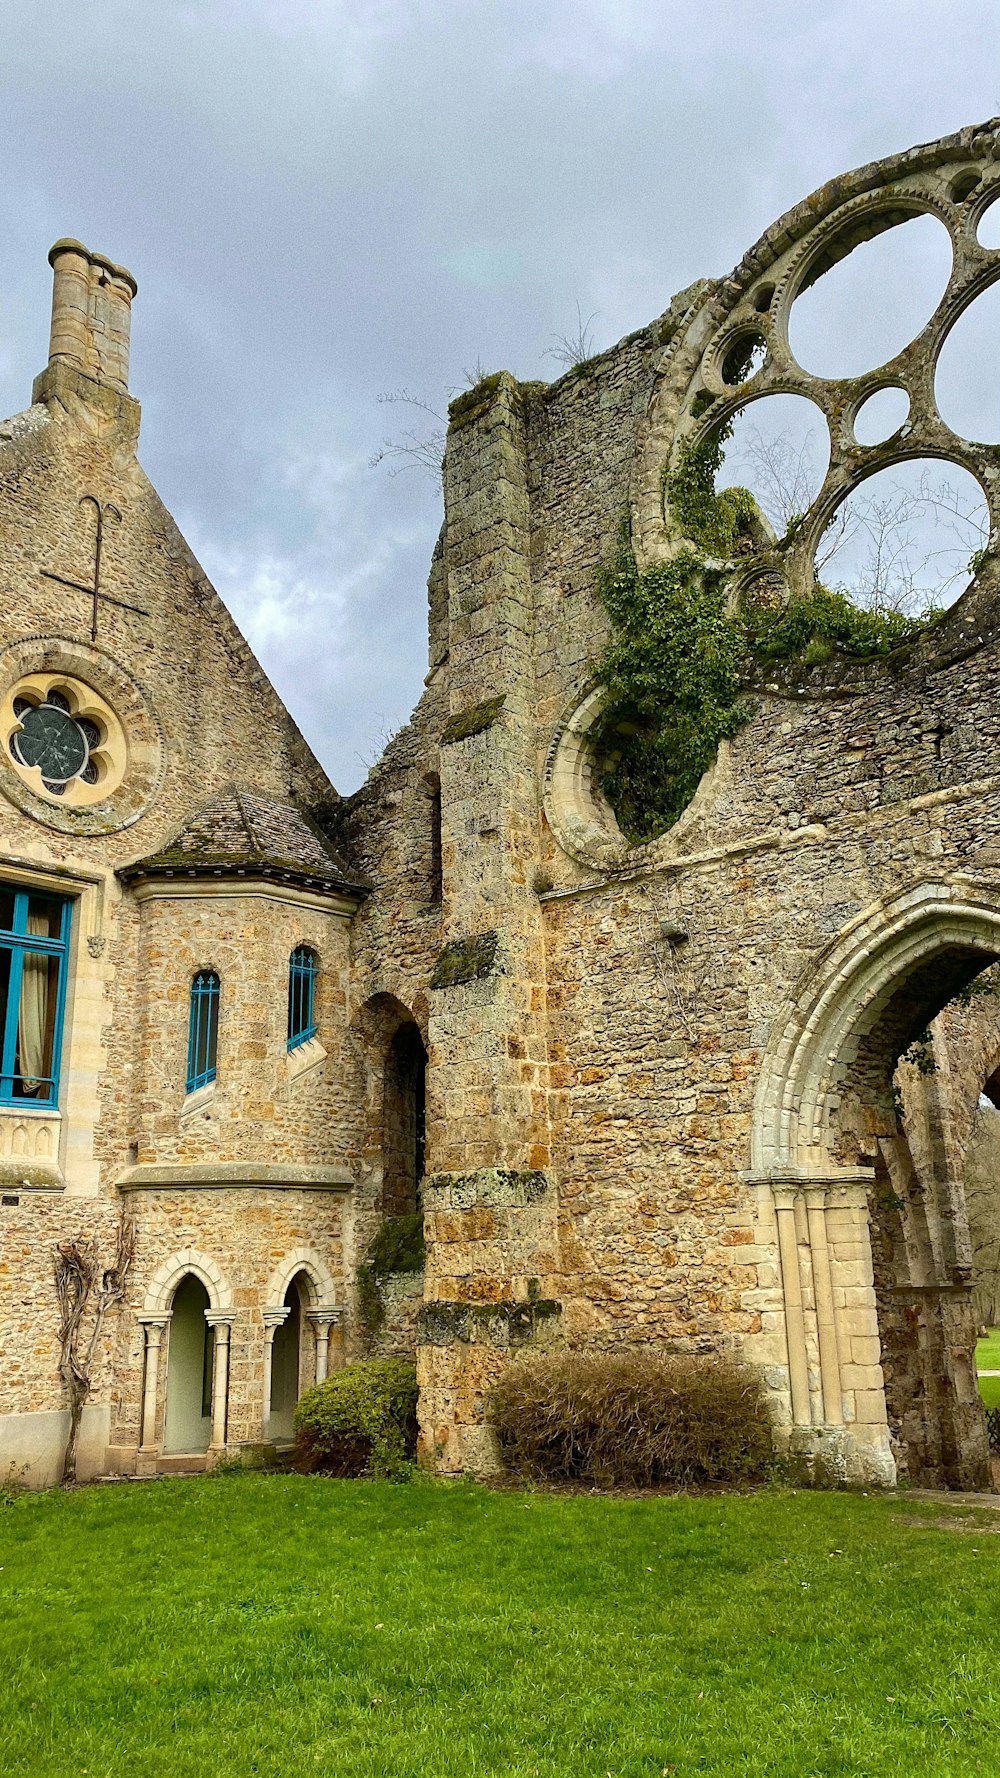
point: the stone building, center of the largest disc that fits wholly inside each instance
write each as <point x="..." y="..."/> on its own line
<point x="643" y="1094"/>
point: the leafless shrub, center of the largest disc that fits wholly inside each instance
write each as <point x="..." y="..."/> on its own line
<point x="83" y="1282"/>
<point x="632" y="1419"/>
<point x="413" y="449"/>
<point x="576" y="347"/>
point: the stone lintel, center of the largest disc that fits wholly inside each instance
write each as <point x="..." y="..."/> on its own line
<point x="234" y="1176"/>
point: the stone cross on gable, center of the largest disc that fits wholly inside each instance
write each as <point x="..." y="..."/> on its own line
<point x="105" y="510"/>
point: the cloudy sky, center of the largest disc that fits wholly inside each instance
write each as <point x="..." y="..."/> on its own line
<point x="328" y="201"/>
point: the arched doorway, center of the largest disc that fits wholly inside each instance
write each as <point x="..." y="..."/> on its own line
<point x="188" y="1427"/>
<point x="286" y="1362"/>
<point x="876" y="1289"/>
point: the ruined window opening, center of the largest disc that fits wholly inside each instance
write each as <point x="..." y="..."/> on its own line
<point x="870" y="298"/>
<point x="436" y="867"/>
<point x="404" y="1121"/>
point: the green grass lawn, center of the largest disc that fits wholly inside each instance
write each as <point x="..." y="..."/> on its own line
<point x="988" y="1351"/>
<point x="259" y="1625"/>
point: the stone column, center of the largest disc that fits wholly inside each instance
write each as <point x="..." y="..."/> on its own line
<point x="791" y="1282"/>
<point x="220" y="1320"/>
<point x="273" y="1318"/>
<point x="322" y="1320"/>
<point x="153" y="1326"/>
<point x="489" y="1197"/>
<point x="826" y="1326"/>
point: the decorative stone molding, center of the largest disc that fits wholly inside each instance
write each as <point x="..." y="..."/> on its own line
<point x="108" y="752"/>
<point x="163" y="1283"/>
<point x="842" y="996"/>
<point x="136" y="750"/>
<point x="29" y="1147"/>
<point x="580" y="816"/>
<point x="322" y="1285"/>
<point x="233" y="1176"/>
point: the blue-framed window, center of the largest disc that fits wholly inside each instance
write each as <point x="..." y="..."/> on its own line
<point x="34" y="940"/>
<point x="303" y="968"/>
<point x="203" y="1030"/>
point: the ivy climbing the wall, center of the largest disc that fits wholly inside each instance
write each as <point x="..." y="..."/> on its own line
<point x="681" y="666"/>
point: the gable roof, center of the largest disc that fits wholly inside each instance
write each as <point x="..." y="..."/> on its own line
<point x="242" y="833"/>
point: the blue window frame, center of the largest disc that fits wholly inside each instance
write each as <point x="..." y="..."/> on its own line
<point x="303" y="968"/>
<point x="34" y="941"/>
<point x="203" y="1030"/>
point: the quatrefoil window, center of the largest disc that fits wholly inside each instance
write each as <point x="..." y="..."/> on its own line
<point x="62" y="739"/>
<point x="62" y="746"/>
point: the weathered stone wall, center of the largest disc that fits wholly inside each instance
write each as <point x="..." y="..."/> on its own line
<point x="849" y="826"/>
<point x="198" y="715"/>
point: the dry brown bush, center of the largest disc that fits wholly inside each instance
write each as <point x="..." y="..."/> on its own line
<point x="632" y="1419"/>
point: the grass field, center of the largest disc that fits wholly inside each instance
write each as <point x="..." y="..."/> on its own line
<point x="259" y="1626"/>
<point x="989" y="1389"/>
<point x="988" y="1351"/>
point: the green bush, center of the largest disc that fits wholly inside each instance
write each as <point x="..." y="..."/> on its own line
<point x="632" y="1419"/>
<point x="361" y="1421"/>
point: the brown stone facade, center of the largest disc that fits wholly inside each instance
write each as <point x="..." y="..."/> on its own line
<point x="643" y="1095"/>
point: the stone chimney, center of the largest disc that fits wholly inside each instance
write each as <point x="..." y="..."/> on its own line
<point x="89" y="337"/>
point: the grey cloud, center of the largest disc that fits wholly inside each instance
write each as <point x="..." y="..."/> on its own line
<point x="327" y="201"/>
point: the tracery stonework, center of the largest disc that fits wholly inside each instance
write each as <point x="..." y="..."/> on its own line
<point x="644" y="1095"/>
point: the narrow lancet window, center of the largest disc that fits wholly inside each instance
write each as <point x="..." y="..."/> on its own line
<point x="203" y="1030"/>
<point x="303" y="967"/>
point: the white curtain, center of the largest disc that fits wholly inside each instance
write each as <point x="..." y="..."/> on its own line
<point x="32" y="1011"/>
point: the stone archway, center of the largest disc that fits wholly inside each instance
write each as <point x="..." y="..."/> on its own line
<point x="206" y="1296"/>
<point x="825" y="1140"/>
<point x="300" y="1295"/>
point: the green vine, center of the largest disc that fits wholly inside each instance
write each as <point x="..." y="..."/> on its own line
<point x="680" y="666"/>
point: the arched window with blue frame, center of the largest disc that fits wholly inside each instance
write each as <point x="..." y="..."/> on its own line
<point x="303" y="968"/>
<point x="203" y="1030"/>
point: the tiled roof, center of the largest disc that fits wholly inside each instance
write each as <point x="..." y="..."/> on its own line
<point x="243" y="833"/>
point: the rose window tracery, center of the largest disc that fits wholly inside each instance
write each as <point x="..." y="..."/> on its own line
<point x="729" y="352"/>
<point x="733" y="351"/>
<point x="62" y="739"/>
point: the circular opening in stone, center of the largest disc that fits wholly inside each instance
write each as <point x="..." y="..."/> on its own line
<point x="869" y="298"/>
<point x="763" y="299"/>
<point x="967" y="373"/>
<point x="906" y="539"/>
<point x="778" y="448"/>
<point x="988" y="231"/>
<point x="742" y="358"/>
<point x="881" y="415"/>
<point x="964" y="186"/>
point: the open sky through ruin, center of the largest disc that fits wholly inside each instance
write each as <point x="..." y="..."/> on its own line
<point x="326" y="202"/>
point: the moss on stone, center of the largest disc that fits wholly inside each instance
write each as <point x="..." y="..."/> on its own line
<point x="495" y="1324"/>
<point x="473" y="402"/>
<point x="473" y="720"/>
<point x="466" y="960"/>
<point x="499" y="1187"/>
<point x="371" y="1309"/>
<point x="398" y="1246"/>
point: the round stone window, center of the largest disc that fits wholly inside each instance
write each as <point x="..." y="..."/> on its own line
<point x="62" y="739"/>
